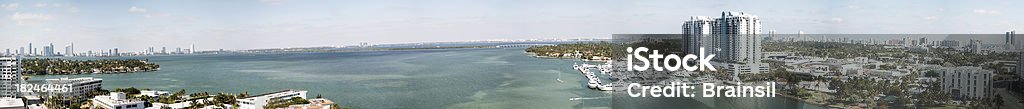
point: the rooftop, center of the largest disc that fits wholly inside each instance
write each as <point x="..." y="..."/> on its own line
<point x="275" y="93"/>
<point x="6" y="102"/>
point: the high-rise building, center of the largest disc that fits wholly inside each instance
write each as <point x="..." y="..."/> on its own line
<point x="1010" y="36"/>
<point x="163" y="50"/>
<point x="69" y="50"/>
<point x="10" y="76"/>
<point x="31" y="51"/>
<point x="193" y="49"/>
<point x="116" y="53"/>
<point x="1020" y="67"/>
<point x="48" y="50"/>
<point x="1011" y="40"/>
<point x="697" y="33"/>
<point x="967" y="82"/>
<point x="733" y="39"/>
<point x="974" y="46"/>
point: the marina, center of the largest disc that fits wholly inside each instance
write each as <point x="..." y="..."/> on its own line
<point x="594" y="81"/>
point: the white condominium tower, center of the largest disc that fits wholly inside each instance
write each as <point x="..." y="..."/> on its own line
<point x="733" y="38"/>
<point x="738" y="41"/>
<point x="10" y="76"/>
<point x="697" y="32"/>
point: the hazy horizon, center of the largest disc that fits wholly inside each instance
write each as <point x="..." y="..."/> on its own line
<point x="231" y="25"/>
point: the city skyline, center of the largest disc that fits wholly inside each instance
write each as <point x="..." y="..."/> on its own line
<point x="138" y="25"/>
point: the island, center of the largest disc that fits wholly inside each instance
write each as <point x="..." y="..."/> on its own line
<point x="588" y="51"/>
<point x="48" y="66"/>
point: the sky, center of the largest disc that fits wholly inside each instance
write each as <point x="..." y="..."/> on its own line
<point x="134" y="25"/>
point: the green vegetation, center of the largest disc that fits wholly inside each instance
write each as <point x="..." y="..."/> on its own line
<point x="48" y="66"/>
<point x="587" y="50"/>
<point x="274" y="104"/>
<point x="60" y="102"/>
<point x="848" y="50"/>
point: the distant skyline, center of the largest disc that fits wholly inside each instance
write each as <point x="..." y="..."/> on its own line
<point x="135" y="25"/>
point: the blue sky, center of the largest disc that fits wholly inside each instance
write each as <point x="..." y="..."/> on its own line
<point x="237" y="24"/>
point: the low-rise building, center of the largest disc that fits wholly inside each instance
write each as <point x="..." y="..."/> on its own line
<point x="11" y="103"/>
<point x="117" y="100"/>
<point x="80" y="87"/>
<point x="153" y="93"/>
<point x="258" y="101"/>
<point x="967" y="82"/>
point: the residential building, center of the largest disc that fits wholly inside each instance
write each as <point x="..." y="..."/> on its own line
<point x="734" y="40"/>
<point x="696" y="33"/>
<point x="80" y="87"/>
<point x="974" y="46"/>
<point x="117" y="100"/>
<point x="69" y="50"/>
<point x="1010" y="37"/>
<point x="10" y="76"/>
<point x="967" y="82"/>
<point x="258" y="101"/>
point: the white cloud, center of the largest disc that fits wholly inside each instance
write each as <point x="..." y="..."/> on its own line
<point x="989" y="12"/>
<point x="136" y="10"/>
<point x="10" y="6"/>
<point x="18" y="16"/>
<point x="157" y="15"/>
<point x="30" y="18"/>
<point x="73" y="9"/>
<point x="271" y="2"/>
<point x="931" y="18"/>
<point x="854" y="7"/>
<point x="41" y="5"/>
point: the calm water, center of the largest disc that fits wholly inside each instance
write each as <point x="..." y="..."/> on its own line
<point x="450" y="78"/>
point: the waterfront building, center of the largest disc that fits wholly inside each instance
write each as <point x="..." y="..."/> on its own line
<point x="258" y="101"/>
<point x="153" y="93"/>
<point x="696" y="33"/>
<point x="117" y="100"/>
<point x="48" y="50"/>
<point x="967" y="82"/>
<point x="734" y="39"/>
<point x="80" y="87"/>
<point x="10" y="76"/>
<point x="69" y="50"/>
